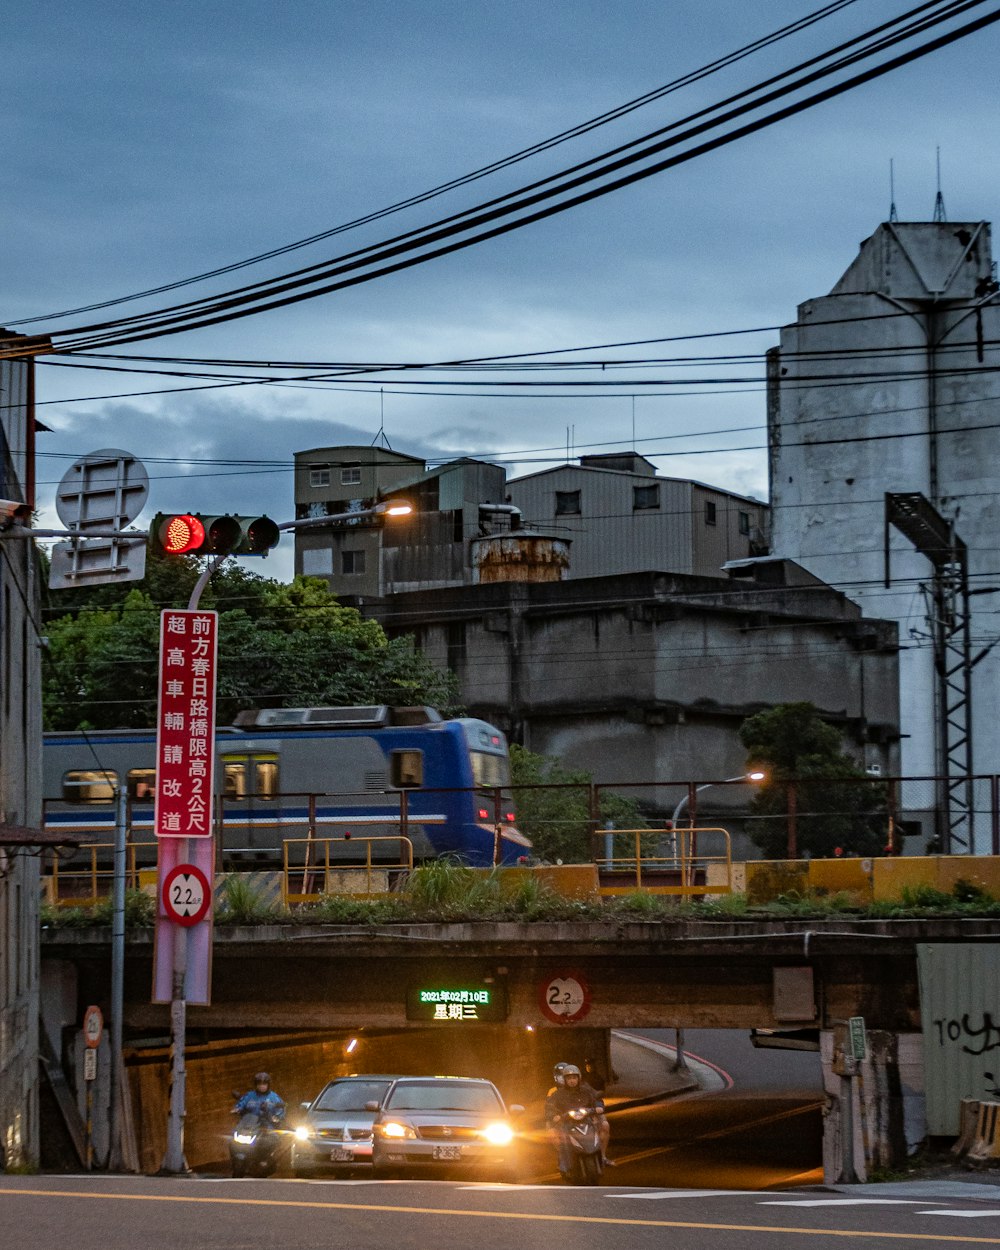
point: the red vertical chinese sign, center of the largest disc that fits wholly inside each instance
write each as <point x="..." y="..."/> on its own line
<point x="185" y="766"/>
<point x="185" y="731"/>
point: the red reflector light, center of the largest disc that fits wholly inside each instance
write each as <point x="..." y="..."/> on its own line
<point x="483" y="814"/>
<point x="510" y="817"/>
<point x="181" y="534"/>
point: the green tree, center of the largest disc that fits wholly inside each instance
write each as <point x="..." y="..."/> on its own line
<point x="837" y="805"/>
<point x="279" y="646"/>
<point x="558" y="820"/>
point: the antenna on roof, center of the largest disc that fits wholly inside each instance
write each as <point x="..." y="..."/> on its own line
<point x="939" y="209"/>
<point x="893" y="215"/>
<point x="381" y="427"/>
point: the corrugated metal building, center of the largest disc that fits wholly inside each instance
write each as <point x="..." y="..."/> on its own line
<point x="623" y="518"/>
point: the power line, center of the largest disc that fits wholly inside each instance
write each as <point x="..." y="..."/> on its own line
<point x="544" y="145"/>
<point x="534" y="204"/>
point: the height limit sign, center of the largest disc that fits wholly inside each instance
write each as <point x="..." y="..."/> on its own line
<point x="186" y="894"/>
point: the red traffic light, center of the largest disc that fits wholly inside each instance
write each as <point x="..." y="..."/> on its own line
<point x="181" y="534"/>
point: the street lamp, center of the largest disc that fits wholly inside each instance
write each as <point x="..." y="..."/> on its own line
<point x="388" y="508"/>
<point x="756" y="775"/>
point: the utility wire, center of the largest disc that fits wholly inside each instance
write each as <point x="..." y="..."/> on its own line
<point x="503" y="163"/>
<point x="396" y="255"/>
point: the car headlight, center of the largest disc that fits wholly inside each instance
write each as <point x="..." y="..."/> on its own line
<point x="303" y="1133"/>
<point x="394" y="1129"/>
<point x="499" y="1134"/>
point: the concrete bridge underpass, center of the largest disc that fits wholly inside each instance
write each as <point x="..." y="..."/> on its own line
<point x="505" y="1001"/>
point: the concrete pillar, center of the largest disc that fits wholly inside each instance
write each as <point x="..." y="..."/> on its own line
<point x="885" y="1115"/>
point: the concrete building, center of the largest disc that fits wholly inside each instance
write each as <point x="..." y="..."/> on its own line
<point x="20" y="775"/>
<point x="648" y="676"/>
<point x="622" y="518"/>
<point x="454" y="505"/>
<point x="889" y="384"/>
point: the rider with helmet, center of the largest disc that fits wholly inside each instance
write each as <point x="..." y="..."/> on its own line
<point x="261" y="1100"/>
<point x="571" y="1091"/>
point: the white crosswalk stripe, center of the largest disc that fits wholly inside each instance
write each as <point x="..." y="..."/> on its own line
<point x="684" y="1193"/>
<point x="964" y="1215"/>
<point x="843" y="1202"/>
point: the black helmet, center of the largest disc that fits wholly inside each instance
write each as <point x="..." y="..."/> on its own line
<point x="558" y="1071"/>
<point x="262" y="1078"/>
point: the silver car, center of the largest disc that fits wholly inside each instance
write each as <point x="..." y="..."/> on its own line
<point x="335" y="1133"/>
<point x="433" y="1124"/>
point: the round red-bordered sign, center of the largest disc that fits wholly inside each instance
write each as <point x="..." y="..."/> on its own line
<point x="93" y="1027"/>
<point x="186" y="894"/>
<point x="565" y="997"/>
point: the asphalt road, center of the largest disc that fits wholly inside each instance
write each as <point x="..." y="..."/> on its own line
<point x="114" y="1213"/>
<point x="757" y="1126"/>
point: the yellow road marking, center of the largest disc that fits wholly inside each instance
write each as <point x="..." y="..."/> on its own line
<point x="543" y="1217"/>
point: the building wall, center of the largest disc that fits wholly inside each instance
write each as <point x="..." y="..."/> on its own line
<point x="694" y="528"/>
<point x="900" y="416"/>
<point x="649" y="676"/>
<point x="20" y="785"/>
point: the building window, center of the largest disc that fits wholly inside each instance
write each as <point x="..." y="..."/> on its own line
<point x="317" y="562"/>
<point x="744" y="522"/>
<point x="351" y="476"/>
<point x="709" y="512"/>
<point x="645" y="497"/>
<point x="567" y="503"/>
<point x="352" y="562"/>
<point x="319" y="477"/>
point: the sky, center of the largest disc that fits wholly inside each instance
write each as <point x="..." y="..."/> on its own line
<point x="144" y="144"/>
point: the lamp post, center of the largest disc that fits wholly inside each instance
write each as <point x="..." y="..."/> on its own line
<point x="754" y="776"/>
<point x="388" y="508"/>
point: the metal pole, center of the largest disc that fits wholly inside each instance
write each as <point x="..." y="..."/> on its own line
<point x="793" y="822"/>
<point x="680" y="1061"/>
<point x="174" y="1160"/>
<point x="848" y="1174"/>
<point x="115" y="1153"/>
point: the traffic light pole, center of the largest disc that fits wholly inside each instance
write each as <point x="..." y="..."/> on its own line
<point x="174" y="1162"/>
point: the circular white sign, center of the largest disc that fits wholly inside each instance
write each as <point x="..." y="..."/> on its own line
<point x="565" y="997"/>
<point x="186" y="894"/>
<point x="93" y="1026"/>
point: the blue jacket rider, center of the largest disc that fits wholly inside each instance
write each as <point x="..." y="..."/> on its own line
<point x="261" y="1100"/>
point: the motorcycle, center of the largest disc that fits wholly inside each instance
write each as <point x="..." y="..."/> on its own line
<point x="580" y="1149"/>
<point x="254" y="1145"/>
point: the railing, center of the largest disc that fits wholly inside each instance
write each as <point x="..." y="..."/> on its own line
<point x="316" y="874"/>
<point x="685" y="869"/>
<point x="62" y="884"/>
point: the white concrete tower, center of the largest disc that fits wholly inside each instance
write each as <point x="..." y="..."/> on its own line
<point x="891" y="383"/>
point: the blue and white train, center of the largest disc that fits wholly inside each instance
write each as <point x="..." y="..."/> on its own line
<point x="341" y="770"/>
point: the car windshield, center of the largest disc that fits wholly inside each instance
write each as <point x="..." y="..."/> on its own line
<point x="472" y="1096"/>
<point x="350" y="1095"/>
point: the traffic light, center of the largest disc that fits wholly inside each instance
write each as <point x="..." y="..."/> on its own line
<point x="197" y="534"/>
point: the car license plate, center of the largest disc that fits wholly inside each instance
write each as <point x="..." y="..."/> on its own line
<point x="340" y="1155"/>
<point x="447" y="1152"/>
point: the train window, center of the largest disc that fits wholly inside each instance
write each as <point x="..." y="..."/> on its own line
<point x="245" y="775"/>
<point x="265" y="776"/>
<point x="234" y="778"/>
<point x="489" y="770"/>
<point x="88" y="785"/>
<point x="141" y="784"/>
<point x="406" y="769"/>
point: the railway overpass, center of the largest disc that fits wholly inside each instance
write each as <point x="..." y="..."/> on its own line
<point x="505" y="999"/>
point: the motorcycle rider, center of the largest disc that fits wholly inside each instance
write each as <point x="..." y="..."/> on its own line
<point x="570" y="1092"/>
<point x="262" y="1100"/>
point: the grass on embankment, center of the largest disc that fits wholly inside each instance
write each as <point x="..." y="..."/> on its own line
<point x="443" y="892"/>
